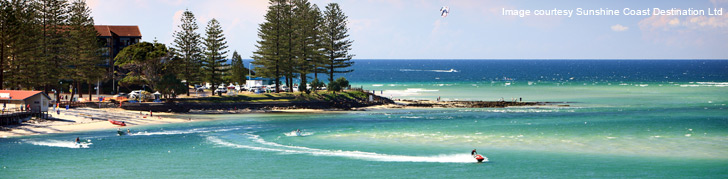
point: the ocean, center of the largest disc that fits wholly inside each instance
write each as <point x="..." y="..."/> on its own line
<point x="622" y="119"/>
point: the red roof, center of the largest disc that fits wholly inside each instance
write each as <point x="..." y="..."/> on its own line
<point x="19" y="94"/>
<point x="124" y="31"/>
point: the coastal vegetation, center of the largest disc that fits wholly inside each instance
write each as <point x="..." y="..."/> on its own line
<point x="283" y="97"/>
<point x="187" y="46"/>
<point x="49" y="44"/>
<point x="44" y="43"/>
<point x="213" y="64"/>
<point x="296" y="40"/>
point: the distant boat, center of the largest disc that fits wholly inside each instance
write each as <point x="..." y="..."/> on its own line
<point x="121" y="123"/>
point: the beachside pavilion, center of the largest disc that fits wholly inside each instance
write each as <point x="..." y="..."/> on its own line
<point x="18" y="99"/>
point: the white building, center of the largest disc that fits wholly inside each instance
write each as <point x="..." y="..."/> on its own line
<point x="37" y="100"/>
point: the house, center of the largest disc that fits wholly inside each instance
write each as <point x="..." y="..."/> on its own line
<point x="16" y="99"/>
<point x="114" y="38"/>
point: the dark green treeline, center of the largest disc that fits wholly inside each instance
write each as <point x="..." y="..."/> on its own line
<point x="297" y="39"/>
<point x="46" y="42"/>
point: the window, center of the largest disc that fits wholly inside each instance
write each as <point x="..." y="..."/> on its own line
<point x="125" y="41"/>
<point x="105" y="51"/>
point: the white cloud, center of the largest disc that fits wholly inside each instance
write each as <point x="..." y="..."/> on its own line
<point x="704" y="31"/>
<point x="619" y="28"/>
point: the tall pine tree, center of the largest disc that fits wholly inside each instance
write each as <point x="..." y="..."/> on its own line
<point x="53" y="15"/>
<point x="187" y="46"/>
<point x="237" y="69"/>
<point x="307" y="47"/>
<point x="270" y="54"/>
<point x="336" y="45"/>
<point x="83" y="46"/>
<point x="5" y="13"/>
<point x="215" y="53"/>
<point x="23" y="45"/>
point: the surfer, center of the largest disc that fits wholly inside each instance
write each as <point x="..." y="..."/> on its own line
<point x="78" y="140"/>
<point x="128" y="131"/>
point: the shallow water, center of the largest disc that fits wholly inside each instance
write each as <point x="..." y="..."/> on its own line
<point x="651" y="129"/>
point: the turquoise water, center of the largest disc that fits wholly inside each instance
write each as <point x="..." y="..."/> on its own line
<point x="626" y="129"/>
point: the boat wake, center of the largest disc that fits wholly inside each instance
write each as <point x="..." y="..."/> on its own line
<point x="294" y="134"/>
<point x="441" y="71"/>
<point x="59" y="143"/>
<point x="256" y="143"/>
<point x="176" y="132"/>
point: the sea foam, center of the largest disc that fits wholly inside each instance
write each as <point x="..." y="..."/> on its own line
<point x="371" y="156"/>
<point x="59" y="143"/>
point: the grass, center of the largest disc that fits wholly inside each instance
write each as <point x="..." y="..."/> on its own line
<point x="283" y="97"/>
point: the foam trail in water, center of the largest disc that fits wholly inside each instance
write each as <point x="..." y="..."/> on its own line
<point x="59" y="143"/>
<point x="445" y="71"/>
<point x="294" y="134"/>
<point x="175" y="132"/>
<point x="274" y="147"/>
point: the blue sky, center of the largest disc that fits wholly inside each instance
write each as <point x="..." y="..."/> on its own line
<point x="474" y="29"/>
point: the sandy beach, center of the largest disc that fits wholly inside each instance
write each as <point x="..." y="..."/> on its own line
<point x="88" y="119"/>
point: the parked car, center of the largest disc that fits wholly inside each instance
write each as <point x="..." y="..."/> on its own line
<point x="254" y="88"/>
<point x="221" y="89"/>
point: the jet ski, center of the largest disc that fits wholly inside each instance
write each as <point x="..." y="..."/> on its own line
<point x="479" y="157"/>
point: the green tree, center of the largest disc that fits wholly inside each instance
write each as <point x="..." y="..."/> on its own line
<point x="237" y="69"/>
<point x="270" y="53"/>
<point x="187" y="45"/>
<point x="336" y="45"/>
<point x="338" y="84"/>
<point x="316" y="84"/>
<point x="171" y="86"/>
<point x="22" y="44"/>
<point x="83" y="46"/>
<point x="145" y="64"/>
<point x="307" y="47"/>
<point x="52" y="63"/>
<point x="5" y="15"/>
<point x="215" y="46"/>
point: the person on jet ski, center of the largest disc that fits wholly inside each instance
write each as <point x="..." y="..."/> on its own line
<point x="473" y="152"/>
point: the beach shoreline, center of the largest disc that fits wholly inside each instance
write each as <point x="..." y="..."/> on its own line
<point x="93" y="119"/>
<point x="88" y="119"/>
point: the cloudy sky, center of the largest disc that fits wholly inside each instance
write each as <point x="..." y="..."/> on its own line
<point x="474" y="29"/>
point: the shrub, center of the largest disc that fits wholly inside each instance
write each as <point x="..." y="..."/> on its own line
<point x="343" y="83"/>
